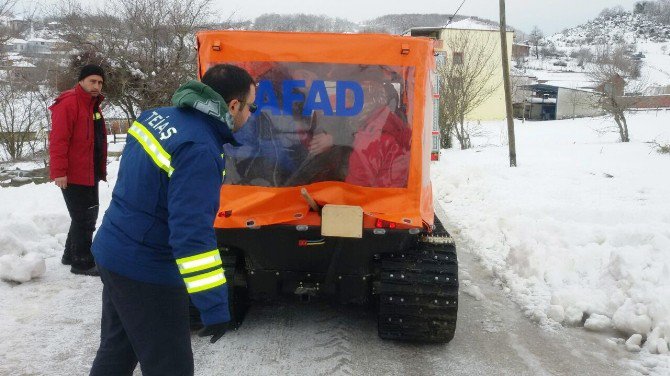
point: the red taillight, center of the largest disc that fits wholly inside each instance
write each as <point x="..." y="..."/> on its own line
<point x="226" y="214"/>
<point x="384" y="224"/>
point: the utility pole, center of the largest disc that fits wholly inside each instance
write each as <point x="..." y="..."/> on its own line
<point x="507" y="84"/>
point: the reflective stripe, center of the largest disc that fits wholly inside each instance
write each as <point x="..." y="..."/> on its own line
<point x="160" y="157"/>
<point x="199" y="262"/>
<point x="205" y="281"/>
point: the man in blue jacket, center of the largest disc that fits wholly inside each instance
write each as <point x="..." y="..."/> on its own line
<point x="156" y="246"/>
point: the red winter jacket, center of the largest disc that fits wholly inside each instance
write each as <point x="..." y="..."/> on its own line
<point x="72" y="137"/>
<point x="381" y="151"/>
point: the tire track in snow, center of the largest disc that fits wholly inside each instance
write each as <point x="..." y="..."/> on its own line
<point x="337" y="344"/>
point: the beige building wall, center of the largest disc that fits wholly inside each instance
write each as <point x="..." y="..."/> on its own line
<point x="494" y="107"/>
<point x="576" y="103"/>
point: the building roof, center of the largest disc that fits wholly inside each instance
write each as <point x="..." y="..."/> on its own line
<point x="17" y="41"/>
<point x="549" y="87"/>
<point x="464" y="24"/>
<point x="22" y="64"/>
<point x="475" y="24"/>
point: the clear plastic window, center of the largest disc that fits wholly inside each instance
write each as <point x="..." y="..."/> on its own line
<point x="325" y="122"/>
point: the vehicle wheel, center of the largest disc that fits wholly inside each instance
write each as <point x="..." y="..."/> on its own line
<point x="238" y="300"/>
<point x="418" y="294"/>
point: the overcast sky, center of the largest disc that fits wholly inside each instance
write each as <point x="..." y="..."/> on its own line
<point x="550" y="15"/>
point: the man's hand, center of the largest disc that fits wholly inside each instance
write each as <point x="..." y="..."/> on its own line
<point x="215" y="330"/>
<point x="320" y="143"/>
<point x="61" y="182"/>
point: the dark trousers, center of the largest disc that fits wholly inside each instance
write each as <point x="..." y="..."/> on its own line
<point x="143" y="322"/>
<point x="83" y="205"/>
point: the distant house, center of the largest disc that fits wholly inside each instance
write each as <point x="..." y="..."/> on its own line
<point x="16" y="45"/>
<point x="43" y="46"/>
<point x="18" y="25"/>
<point x="655" y="97"/>
<point x="17" y="69"/>
<point x="550" y="102"/>
<point x="520" y="50"/>
<point x="36" y="46"/>
<point x="657" y="90"/>
<point x="481" y="33"/>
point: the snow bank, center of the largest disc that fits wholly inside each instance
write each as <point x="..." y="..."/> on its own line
<point x="21" y="269"/>
<point x="580" y="232"/>
<point x="33" y="226"/>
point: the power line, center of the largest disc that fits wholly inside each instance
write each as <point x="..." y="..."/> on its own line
<point x="455" y="13"/>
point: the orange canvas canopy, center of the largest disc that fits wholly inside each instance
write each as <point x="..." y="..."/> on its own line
<point x="334" y="72"/>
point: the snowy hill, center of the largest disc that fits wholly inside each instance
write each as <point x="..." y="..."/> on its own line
<point x="623" y="27"/>
<point x="565" y="57"/>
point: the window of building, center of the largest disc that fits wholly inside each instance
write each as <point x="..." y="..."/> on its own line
<point x="458" y="57"/>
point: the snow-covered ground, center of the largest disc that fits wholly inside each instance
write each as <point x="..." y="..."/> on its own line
<point x="577" y="235"/>
<point x="656" y="64"/>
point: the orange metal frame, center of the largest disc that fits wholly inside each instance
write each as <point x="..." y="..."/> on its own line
<point x="244" y="206"/>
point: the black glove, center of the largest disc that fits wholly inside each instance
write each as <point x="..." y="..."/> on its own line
<point x="215" y="330"/>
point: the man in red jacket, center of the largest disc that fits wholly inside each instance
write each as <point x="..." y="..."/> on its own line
<point x="78" y="152"/>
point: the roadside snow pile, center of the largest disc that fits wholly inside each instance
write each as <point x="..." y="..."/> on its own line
<point x="21" y="269"/>
<point x="33" y="226"/>
<point x="579" y="233"/>
<point x="31" y="218"/>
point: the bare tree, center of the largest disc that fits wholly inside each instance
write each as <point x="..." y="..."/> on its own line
<point x="467" y="80"/>
<point x="6" y="7"/>
<point x="661" y="147"/>
<point x="520" y="93"/>
<point x="22" y="120"/>
<point x="146" y="46"/>
<point x="583" y="56"/>
<point x="302" y="22"/>
<point x="535" y="37"/>
<point x="614" y="11"/>
<point x="611" y="67"/>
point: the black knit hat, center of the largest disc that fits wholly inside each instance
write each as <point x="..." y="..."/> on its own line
<point x="90" y="70"/>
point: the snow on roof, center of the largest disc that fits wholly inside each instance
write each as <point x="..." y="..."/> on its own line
<point x="17" y="41"/>
<point x="566" y="80"/>
<point x="472" y="24"/>
<point x="22" y="64"/>
<point x="572" y="85"/>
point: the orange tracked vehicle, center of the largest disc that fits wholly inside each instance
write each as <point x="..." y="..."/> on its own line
<point x="330" y="194"/>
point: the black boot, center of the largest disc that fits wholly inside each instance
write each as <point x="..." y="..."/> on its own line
<point x="67" y="253"/>
<point x="92" y="271"/>
<point x="82" y="258"/>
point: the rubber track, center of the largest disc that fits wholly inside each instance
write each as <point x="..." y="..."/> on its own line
<point x="418" y="294"/>
<point x="237" y="300"/>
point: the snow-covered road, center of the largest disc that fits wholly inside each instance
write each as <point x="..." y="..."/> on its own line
<point x="577" y="237"/>
<point x="51" y="327"/>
